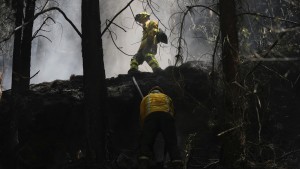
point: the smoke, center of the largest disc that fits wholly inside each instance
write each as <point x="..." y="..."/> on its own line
<point x="6" y="27"/>
<point x="129" y="41"/>
<point x="162" y="11"/>
<point x="59" y="55"/>
<point x="56" y="51"/>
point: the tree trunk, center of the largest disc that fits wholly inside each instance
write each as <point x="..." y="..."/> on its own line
<point x="26" y="47"/>
<point x="21" y="72"/>
<point x="17" y="47"/>
<point x="231" y="155"/>
<point x="22" y="49"/>
<point x="95" y="91"/>
<point x="229" y="36"/>
<point x="13" y="141"/>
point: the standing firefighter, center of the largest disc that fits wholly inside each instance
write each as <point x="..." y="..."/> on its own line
<point x="148" y="48"/>
<point x="157" y="115"/>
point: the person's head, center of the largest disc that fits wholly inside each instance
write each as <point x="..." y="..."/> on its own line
<point x="156" y="89"/>
<point x="142" y="17"/>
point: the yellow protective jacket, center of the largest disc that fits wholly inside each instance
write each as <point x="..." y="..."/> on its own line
<point x="150" y="29"/>
<point x="155" y="102"/>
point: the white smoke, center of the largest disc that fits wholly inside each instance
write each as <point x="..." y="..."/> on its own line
<point x="62" y="57"/>
<point x="115" y="61"/>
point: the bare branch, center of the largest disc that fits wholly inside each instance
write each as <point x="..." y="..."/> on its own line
<point x="34" y="74"/>
<point x="278" y="74"/>
<point x="288" y="154"/>
<point x="40" y="28"/>
<point x="105" y="29"/>
<point x="213" y="64"/>
<point x="203" y="6"/>
<point x="258" y="120"/>
<point x="40" y="13"/>
<point x="189" y="8"/>
<point x="117" y="25"/>
<point x="45" y="5"/>
<point x="266" y="54"/>
<point x="274" y="59"/>
<point x="150" y="6"/>
<point x="64" y="15"/>
<point x="270" y="17"/>
<point x="112" y="38"/>
<point x="43" y="37"/>
<point x="211" y="164"/>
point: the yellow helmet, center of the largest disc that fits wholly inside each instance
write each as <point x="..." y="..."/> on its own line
<point x="141" y="16"/>
<point x="156" y="88"/>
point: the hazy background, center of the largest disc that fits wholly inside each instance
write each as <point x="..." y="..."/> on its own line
<point x="59" y="56"/>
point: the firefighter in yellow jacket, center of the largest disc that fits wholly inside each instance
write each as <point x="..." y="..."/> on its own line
<point x="157" y="115"/>
<point x="148" y="47"/>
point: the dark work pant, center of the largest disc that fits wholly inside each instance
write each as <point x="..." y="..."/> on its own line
<point x="159" y="122"/>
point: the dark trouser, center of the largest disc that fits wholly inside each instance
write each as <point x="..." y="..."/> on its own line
<point x="159" y="122"/>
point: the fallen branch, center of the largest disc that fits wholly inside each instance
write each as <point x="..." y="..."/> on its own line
<point x="229" y="130"/>
<point x="288" y="154"/>
<point x="211" y="164"/>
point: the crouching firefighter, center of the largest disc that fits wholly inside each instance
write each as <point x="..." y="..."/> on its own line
<point x="157" y="115"/>
<point x="148" y="48"/>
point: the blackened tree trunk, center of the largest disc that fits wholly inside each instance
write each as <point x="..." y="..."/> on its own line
<point x="20" y="72"/>
<point x="22" y="50"/>
<point x="12" y="140"/>
<point x="17" y="46"/>
<point x="229" y="36"/>
<point x="24" y="66"/>
<point x="95" y="91"/>
<point x="231" y="156"/>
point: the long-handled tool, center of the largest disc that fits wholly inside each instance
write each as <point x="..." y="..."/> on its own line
<point x="137" y="86"/>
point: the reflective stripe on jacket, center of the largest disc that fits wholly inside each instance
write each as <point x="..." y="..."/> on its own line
<point x="155" y="102"/>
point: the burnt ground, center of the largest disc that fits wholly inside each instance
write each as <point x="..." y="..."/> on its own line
<point x="51" y="125"/>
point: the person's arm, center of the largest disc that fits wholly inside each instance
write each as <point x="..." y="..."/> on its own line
<point x="152" y="31"/>
<point x="153" y="26"/>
